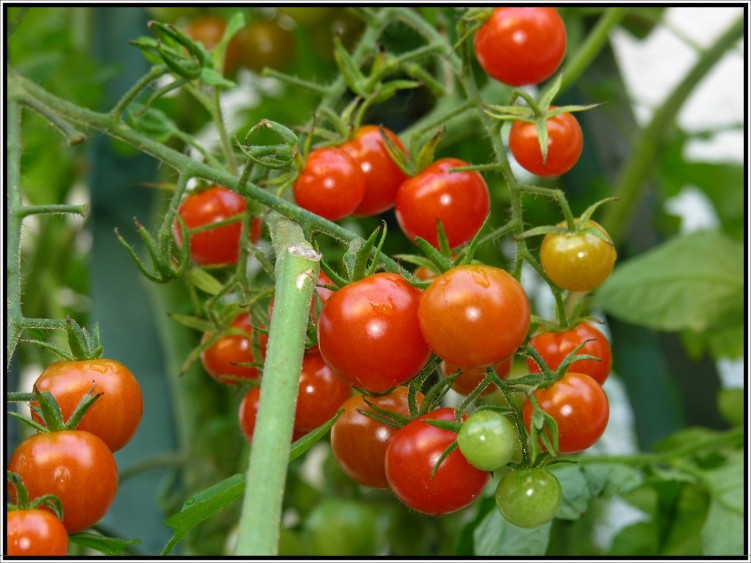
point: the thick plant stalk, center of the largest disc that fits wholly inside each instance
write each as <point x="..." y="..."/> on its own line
<point x="297" y="266"/>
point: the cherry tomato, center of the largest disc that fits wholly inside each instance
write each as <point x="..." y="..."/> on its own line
<point x="209" y="29"/>
<point x="382" y="176"/>
<point x="320" y="297"/>
<point x="521" y="46"/>
<point x="35" y="532"/>
<point x="224" y="359"/>
<point x="115" y="416"/>
<point x="529" y="497"/>
<point x="474" y="316"/>
<point x="359" y="441"/>
<point x="220" y="245"/>
<point x="470" y="378"/>
<point x="580" y="408"/>
<point x="331" y="185"/>
<point x="75" y="466"/>
<point x="339" y="526"/>
<point x="577" y="261"/>
<point x="488" y="440"/>
<point x="459" y="199"/>
<point x="264" y="43"/>
<point x="565" y="143"/>
<point x="369" y="334"/>
<point x="411" y="457"/>
<point x="555" y="346"/>
<point x="321" y="393"/>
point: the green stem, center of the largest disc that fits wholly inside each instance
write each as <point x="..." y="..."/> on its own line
<point x="53" y="209"/>
<point x="229" y="154"/>
<point x="632" y="180"/>
<point x="13" y="228"/>
<point x="154" y="73"/>
<point x="589" y="50"/>
<point x="296" y="269"/>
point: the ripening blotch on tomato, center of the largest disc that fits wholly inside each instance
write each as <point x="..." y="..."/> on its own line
<point x="578" y="261"/>
<point x="411" y="457"/>
<point x="115" y="415"/>
<point x="580" y="408"/>
<point x="220" y="245"/>
<point x="474" y="315"/>
<point x="358" y="441"/>
<point x="368" y="332"/>
<point x="555" y="346"/>
<point x="460" y="200"/>
<point x="331" y="184"/>
<point x="521" y="46"/>
<point x="382" y="175"/>
<point x="565" y="143"/>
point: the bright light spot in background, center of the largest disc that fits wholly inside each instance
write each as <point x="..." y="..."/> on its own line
<point x="694" y="208"/>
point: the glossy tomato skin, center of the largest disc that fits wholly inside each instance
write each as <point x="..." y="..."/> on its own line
<point x="35" y="532"/>
<point x="521" y="46"/>
<point x="221" y="359"/>
<point x="470" y="378"/>
<point x="411" y="457"/>
<point x="331" y="185"/>
<point x="460" y="200"/>
<point x="555" y="346"/>
<point x="115" y="415"/>
<point x="474" y="315"/>
<point x="580" y="408"/>
<point x="577" y="261"/>
<point x="359" y="442"/>
<point x="321" y="393"/>
<point x="565" y="143"/>
<point x="220" y="245"/>
<point x="75" y="466"/>
<point x="368" y="332"/>
<point x="529" y="497"/>
<point x="382" y="176"/>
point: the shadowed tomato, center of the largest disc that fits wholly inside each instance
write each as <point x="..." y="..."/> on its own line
<point x="228" y="359"/>
<point x="321" y="393"/>
<point x="359" y="441"/>
<point x="382" y="176"/>
<point x="470" y="378"/>
<point x="369" y="334"/>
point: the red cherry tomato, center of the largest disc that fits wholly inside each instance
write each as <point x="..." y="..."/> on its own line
<point x="555" y="346"/>
<point x="115" y="416"/>
<point x="470" y="378"/>
<point x="224" y="359"/>
<point x="331" y="185"/>
<point x="319" y="298"/>
<point x="382" y="176"/>
<point x="35" y="533"/>
<point x="521" y="46"/>
<point x="220" y="245"/>
<point x="459" y="199"/>
<point x="580" y="408"/>
<point x="369" y="334"/>
<point x="474" y="316"/>
<point x="411" y="457"/>
<point x="359" y="441"/>
<point x="565" y="143"/>
<point x="73" y="465"/>
<point x="321" y="393"/>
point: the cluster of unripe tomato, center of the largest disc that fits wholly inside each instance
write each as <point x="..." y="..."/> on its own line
<point x="65" y="477"/>
<point x="377" y="333"/>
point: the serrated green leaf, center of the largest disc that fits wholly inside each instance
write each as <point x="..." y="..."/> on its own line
<point x="690" y="282"/>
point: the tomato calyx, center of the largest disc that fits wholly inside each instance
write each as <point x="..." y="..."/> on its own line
<point x="168" y="259"/>
<point x="23" y="502"/>
<point x="45" y="406"/>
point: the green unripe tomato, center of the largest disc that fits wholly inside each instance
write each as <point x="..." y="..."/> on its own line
<point x="488" y="440"/>
<point x="529" y="497"/>
<point x="342" y="527"/>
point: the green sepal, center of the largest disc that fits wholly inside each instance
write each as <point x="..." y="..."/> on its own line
<point x="349" y="69"/>
<point x="275" y="156"/>
<point x="445" y="453"/>
<point x="440" y="262"/>
<point x="400" y="158"/>
<point x="426" y="154"/>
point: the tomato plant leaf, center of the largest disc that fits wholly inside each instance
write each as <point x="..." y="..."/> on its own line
<point x="102" y="544"/>
<point x="723" y="531"/>
<point x="690" y="282"/>
<point x="495" y="536"/>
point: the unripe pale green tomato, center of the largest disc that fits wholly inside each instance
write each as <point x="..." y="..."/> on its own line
<point x="488" y="440"/>
<point x="529" y="497"/>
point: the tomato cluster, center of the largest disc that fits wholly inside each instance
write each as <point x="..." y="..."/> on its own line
<point x="75" y="464"/>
